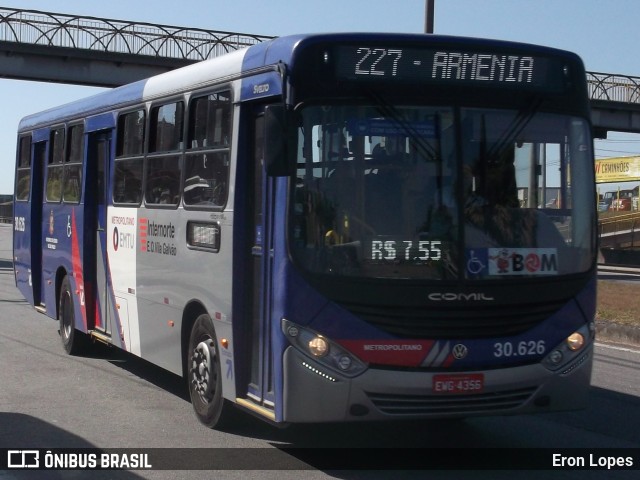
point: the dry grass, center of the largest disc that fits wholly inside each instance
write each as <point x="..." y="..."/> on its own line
<point x="618" y="302"/>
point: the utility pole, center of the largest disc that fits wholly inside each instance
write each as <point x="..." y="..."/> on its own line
<point x="428" y="16"/>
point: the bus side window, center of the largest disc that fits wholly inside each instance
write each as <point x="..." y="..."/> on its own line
<point x="55" y="166"/>
<point x="73" y="165"/>
<point x="131" y="134"/>
<point x="163" y="180"/>
<point x="23" y="176"/>
<point x="127" y="184"/>
<point x="207" y="161"/>
<point x="166" y="128"/>
<point x="128" y="181"/>
<point x="206" y="179"/>
<point x="163" y="170"/>
<point x="210" y="121"/>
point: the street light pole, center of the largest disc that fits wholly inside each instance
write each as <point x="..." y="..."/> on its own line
<point x="428" y="16"/>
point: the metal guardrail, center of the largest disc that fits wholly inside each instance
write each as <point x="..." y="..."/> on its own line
<point x="613" y="88"/>
<point x="118" y="36"/>
<point x="619" y="230"/>
<point x="616" y="223"/>
<point x="138" y="38"/>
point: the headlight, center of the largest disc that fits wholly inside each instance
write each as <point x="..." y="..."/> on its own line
<point x="569" y="349"/>
<point x="318" y="346"/>
<point x="575" y="341"/>
<point x="323" y="350"/>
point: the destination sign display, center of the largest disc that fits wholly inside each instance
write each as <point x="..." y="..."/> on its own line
<point x="448" y="65"/>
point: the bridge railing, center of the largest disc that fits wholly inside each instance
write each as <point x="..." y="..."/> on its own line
<point x="117" y="36"/>
<point x="139" y="38"/>
<point x="613" y="88"/>
<point x="619" y="230"/>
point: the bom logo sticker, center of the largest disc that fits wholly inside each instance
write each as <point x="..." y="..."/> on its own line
<point x="522" y="261"/>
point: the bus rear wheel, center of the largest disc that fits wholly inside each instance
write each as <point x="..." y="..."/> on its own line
<point x="73" y="341"/>
<point x="204" y="374"/>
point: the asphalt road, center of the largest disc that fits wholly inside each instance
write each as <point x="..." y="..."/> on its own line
<point x="109" y="399"/>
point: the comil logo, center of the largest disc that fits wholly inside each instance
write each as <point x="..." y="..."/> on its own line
<point x="460" y="297"/>
<point x="23" y="459"/>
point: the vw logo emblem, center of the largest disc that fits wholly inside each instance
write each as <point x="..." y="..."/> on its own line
<point x="460" y="351"/>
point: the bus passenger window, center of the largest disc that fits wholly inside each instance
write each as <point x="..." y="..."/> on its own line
<point x="127" y="184"/>
<point x="128" y="181"/>
<point x="206" y="179"/>
<point x="208" y="153"/>
<point x="55" y="166"/>
<point x="210" y="121"/>
<point x="166" y="128"/>
<point x="163" y="180"/>
<point x="131" y="134"/>
<point x="23" y="180"/>
<point x="73" y="165"/>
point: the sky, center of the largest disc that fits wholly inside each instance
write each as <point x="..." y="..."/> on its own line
<point x="604" y="34"/>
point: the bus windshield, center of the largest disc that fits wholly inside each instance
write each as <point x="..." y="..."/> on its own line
<point x="442" y="192"/>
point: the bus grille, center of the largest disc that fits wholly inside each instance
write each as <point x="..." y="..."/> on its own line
<point x="479" y="321"/>
<point x="393" y="404"/>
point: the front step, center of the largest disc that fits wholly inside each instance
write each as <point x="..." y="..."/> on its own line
<point x="258" y="409"/>
<point x="100" y="336"/>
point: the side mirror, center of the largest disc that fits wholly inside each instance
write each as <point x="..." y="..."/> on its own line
<point x="279" y="141"/>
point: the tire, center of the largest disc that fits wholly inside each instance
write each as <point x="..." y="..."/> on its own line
<point x="204" y="375"/>
<point x="73" y="341"/>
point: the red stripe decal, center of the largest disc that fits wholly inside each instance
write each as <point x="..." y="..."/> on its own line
<point x="76" y="260"/>
<point x="407" y="353"/>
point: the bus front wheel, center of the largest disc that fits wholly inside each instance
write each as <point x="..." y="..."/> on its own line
<point x="204" y="374"/>
<point x="73" y="340"/>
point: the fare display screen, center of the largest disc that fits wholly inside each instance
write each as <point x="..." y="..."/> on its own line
<point x="449" y="66"/>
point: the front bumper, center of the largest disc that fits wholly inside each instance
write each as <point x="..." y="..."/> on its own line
<point x="314" y="393"/>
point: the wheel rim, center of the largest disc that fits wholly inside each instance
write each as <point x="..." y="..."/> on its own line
<point x="67" y="319"/>
<point x="203" y="377"/>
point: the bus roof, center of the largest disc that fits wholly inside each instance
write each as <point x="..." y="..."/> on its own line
<point x="227" y="66"/>
<point x="133" y="93"/>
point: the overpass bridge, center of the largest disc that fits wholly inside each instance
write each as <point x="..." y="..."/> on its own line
<point x="55" y="47"/>
<point x="101" y="52"/>
<point x="615" y="103"/>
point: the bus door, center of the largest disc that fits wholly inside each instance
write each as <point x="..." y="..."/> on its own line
<point x="37" y="219"/>
<point x="99" y="148"/>
<point x="260" y="388"/>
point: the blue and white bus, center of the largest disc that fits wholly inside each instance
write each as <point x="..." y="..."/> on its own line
<point x="335" y="227"/>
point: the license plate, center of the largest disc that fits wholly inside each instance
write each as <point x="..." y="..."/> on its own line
<point x="459" y="383"/>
